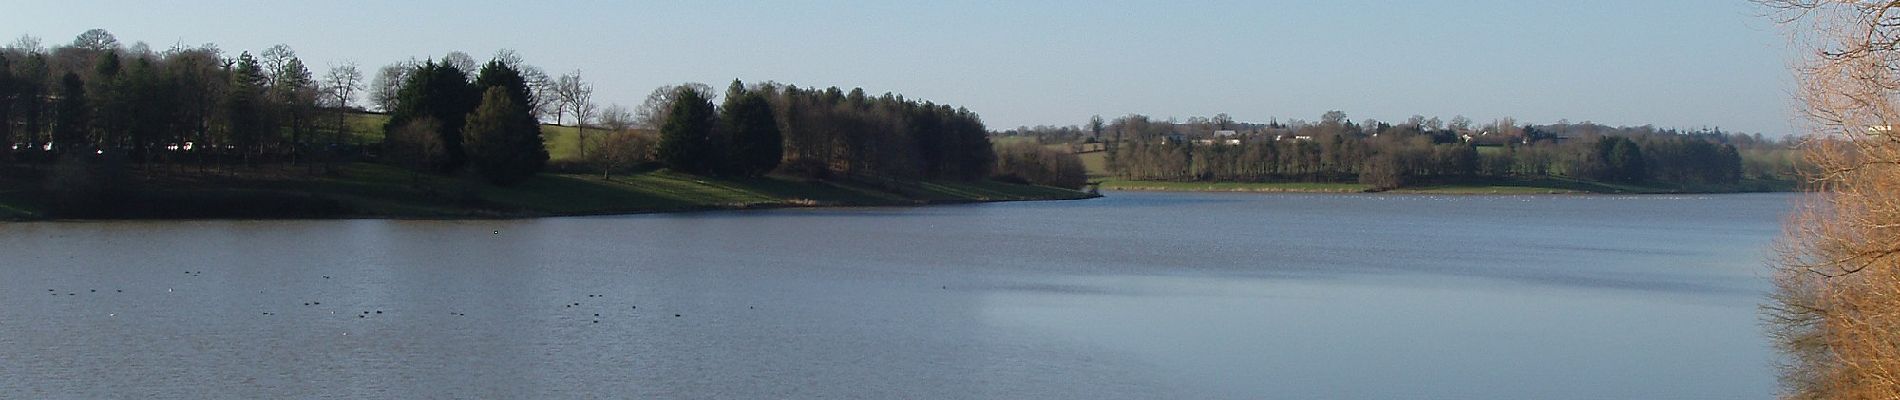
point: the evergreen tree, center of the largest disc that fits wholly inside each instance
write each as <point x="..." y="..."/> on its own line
<point x="9" y="91"/>
<point x="503" y="139"/>
<point x="441" y="92"/>
<point x="756" y="146"/>
<point x="686" y="135"/>
<point x="109" y="107"/>
<point x="245" y="121"/>
<point x="1627" y="160"/>
<point x="498" y="73"/>
<point x="70" y="119"/>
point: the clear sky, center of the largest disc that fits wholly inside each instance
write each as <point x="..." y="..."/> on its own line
<point x="1675" y="63"/>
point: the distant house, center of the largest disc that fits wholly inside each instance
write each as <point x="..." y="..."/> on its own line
<point x="1225" y="133"/>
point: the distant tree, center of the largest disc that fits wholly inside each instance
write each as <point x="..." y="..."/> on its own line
<point x="1095" y="127"/>
<point x="339" y="87"/>
<point x="244" y="106"/>
<point x="1459" y="124"/>
<point x="1626" y="159"/>
<point x="499" y="73"/>
<point x="755" y="146"/>
<point x="615" y="150"/>
<point x="577" y="97"/>
<point x="1383" y="172"/>
<point x="686" y="135"/>
<point x="273" y="60"/>
<point x="616" y="118"/>
<point x="295" y="94"/>
<point x="461" y="61"/>
<point x="504" y="141"/>
<point x="386" y="89"/>
<point x="98" y="40"/>
<point x="341" y="84"/>
<point x="70" y="119"/>
<point x="29" y="44"/>
<point x="10" y="93"/>
<point x="109" y="106"/>
<point x="1027" y="162"/>
<point x="525" y="151"/>
<point x="1333" y="118"/>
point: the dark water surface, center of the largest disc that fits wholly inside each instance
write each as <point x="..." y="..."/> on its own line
<point x="1136" y="295"/>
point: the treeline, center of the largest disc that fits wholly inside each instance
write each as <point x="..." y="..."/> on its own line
<point x="97" y="101"/>
<point x="100" y="98"/>
<point x="830" y="132"/>
<point x="804" y="132"/>
<point x="1389" y="155"/>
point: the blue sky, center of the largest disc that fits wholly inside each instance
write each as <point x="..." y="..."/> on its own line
<point x="1678" y="63"/>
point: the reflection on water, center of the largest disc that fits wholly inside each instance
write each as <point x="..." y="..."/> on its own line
<point x="1132" y="296"/>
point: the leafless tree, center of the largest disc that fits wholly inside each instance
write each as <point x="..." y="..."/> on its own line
<point x="577" y="98"/>
<point x="616" y="150"/>
<point x="1835" y="313"/>
<point x="273" y="59"/>
<point x="28" y="44"/>
<point x="616" y="118"/>
<point x="461" y="61"/>
<point x="340" y="86"/>
<point x="386" y="88"/>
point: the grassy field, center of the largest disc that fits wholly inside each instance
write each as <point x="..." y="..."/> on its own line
<point x="365" y="190"/>
<point x="563" y="141"/>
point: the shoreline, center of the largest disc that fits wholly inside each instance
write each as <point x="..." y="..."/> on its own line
<point x="1495" y="187"/>
<point x="370" y="191"/>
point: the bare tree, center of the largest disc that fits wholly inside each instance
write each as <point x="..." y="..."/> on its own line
<point x="461" y="61"/>
<point x="616" y="118"/>
<point x="340" y="86"/>
<point x="619" y="149"/>
<point x="273" y="59"/>
<point x="28" y="44"/>
<point x="577" y="97"/>
<point x="1834" y="313"/>
<point x="542" y="88"/>
<point x="386" y="88"/>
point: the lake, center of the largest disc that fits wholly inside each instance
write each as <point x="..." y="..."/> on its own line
<point x="1136" y="295"/>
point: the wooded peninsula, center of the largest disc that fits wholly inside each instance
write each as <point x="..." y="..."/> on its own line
<point x="97" y="129"/>
<point x="100" y="130"/>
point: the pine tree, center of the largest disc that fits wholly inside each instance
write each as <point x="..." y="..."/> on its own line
<point x="244" y="111"/>
<point x="686" y="135"/>
<point x="503" y="139"/>
<point x="755" y="145"/>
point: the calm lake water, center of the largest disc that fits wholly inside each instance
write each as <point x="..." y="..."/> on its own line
<point x="1137" y="295"/>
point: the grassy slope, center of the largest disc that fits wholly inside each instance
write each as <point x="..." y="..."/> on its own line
<point x="563" y="141"/>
